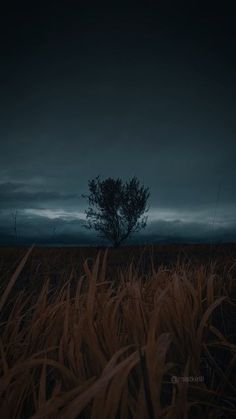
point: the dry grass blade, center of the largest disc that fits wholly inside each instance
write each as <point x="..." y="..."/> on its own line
<point x="72" y="349"/>
<point x="14" y="278"/>
<point x="146" y="384"/>
<point x="207" y="314"/>
<point x="42" y="387"/>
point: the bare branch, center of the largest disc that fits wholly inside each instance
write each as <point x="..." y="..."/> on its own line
<point x="116" y="208"/>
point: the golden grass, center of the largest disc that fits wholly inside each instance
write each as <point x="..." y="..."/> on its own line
<point x="118" y="349"/>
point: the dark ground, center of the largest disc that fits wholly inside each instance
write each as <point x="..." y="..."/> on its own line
<point x="59" y="263"/>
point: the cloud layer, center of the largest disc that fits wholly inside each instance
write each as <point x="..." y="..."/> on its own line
<point x="121" y="91"/>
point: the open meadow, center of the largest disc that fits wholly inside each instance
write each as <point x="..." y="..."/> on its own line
<point x="134" y="332"/>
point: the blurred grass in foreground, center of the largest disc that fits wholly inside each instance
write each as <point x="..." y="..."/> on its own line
<point x="119" y="344"/>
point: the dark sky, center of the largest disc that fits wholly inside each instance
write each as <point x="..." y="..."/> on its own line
<point x="119" y="91"/>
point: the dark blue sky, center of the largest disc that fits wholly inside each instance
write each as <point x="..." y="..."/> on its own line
<point x="118" y="91"/>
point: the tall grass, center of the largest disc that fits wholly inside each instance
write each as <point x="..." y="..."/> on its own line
<point x="154" y="346"/>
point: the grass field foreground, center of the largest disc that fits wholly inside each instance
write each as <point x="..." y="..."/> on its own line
<point x="160" y="345"/>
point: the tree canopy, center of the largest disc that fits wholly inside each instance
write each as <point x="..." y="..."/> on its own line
<point x="116" y="208"/>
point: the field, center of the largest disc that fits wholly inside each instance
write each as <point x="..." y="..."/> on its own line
<point x="136" y="332"/>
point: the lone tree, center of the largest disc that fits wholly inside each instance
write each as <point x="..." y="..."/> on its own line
<point x="116" y="208"/>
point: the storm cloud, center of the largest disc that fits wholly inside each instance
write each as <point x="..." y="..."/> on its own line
<point x="121" y="92"/>
<point x="20" y="195"/>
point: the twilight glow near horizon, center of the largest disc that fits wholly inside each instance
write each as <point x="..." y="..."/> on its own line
<point x="118" y="92"/>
